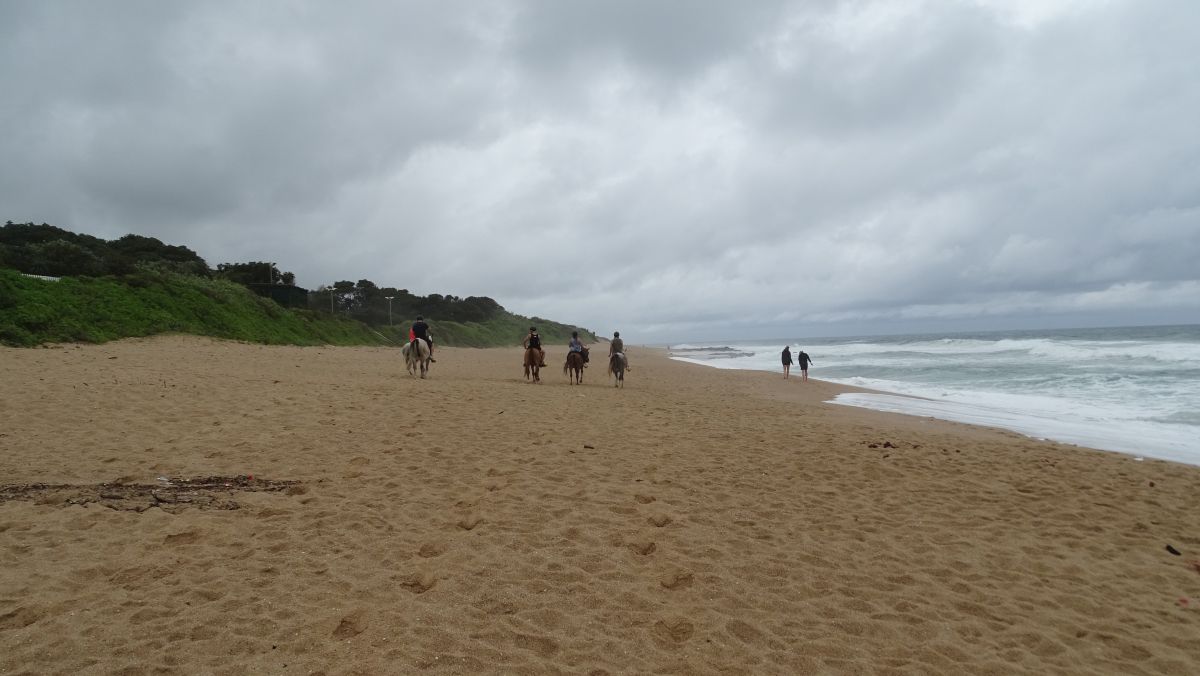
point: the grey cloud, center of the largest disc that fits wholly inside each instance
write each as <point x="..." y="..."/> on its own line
<point x="656" y="166"/>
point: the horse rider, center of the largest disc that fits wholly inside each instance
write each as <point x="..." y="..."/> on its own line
<point x="576" y="345"/>
<point x="617" y="346"/>
<point x="421" y="330"/>
<point x="533" y="340"/>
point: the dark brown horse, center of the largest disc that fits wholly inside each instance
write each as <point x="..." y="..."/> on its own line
<point x="573" y="369"/>
<point x="532" y="359"/>
<point x="616" y="368"/>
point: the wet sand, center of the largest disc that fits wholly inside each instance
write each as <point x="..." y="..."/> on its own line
<point x="696" y="521"/>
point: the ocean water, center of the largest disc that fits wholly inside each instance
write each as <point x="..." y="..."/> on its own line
<point x="1133" y="390"/>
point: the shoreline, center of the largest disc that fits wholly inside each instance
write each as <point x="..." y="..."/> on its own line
<point x="697" y="520"/>
<point x="1135" y="438"/>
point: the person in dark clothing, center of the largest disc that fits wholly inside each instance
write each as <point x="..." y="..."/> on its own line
<point x="421" y="330"/>
<point x="617" y="346"/>
<point x="787" y="360"/>
<point x="535" y="341"/>
<point x="804" y="360"/>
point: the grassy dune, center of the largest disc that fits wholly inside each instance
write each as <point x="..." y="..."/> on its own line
<point x="96" y="310"/>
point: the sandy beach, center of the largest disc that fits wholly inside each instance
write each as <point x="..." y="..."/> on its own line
<point x="695" y="521"/>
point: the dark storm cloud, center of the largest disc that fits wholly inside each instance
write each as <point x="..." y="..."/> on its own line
<point x="664" y="167"/>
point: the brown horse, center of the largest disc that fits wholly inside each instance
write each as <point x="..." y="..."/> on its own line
<point x="616" y="368"/>
<point x="532" y="359"/>
<point x="575" y="366"/>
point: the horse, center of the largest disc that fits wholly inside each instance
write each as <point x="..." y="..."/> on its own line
<point x="575" y="366"/>
<point x="416" y="358"/>
<point x="532" y="359"/>
<point x="616" y="368"/>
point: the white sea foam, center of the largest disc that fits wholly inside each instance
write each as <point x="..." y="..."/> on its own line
<point x="1129" y="390"/>
<point x="1080" y="427"/>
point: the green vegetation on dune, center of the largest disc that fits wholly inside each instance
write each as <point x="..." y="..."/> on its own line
<point x="95" y="310"/>
<point x="140" y="286"/>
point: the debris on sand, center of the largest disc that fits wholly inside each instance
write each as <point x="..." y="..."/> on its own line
<point x="171" y="494"/>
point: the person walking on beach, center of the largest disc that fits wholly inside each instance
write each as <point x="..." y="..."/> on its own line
<point x="421" y="330"/>
<point x="535" y="341"/>
<point x="804" y="360"/>
<point x="787" y="360"/>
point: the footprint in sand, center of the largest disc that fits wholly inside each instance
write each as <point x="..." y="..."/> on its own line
<point x="431" y="549"/>
<point x="19" y="619"/>
<point x="469" y="522"/>
<point x="187" y="537"/>
<point x="351" y="625"/>
<point x="674" y="629"/>
<point x="659" y="520"/>
<point x="679" y="579"/>
<point x="538" y="644"/>
<point x="418" y="583"/>
<point x="644" y="499"/>
<point x="643" y="547"/>
<point x="744" y="632"/>
<point x="493" y="606"/>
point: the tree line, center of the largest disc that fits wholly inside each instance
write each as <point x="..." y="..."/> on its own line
<point x="52" y="251"/>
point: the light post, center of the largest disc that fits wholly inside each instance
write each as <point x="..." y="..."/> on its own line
<point x="331" y="310"/>
<point x="389" y="309"/>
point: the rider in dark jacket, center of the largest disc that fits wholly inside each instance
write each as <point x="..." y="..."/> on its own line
<point x="421" y="330"/>
<point x="618" y="345"/>
<point x="535" y="341"/>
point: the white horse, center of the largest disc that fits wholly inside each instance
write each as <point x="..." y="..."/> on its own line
<point x="416" y="358"/>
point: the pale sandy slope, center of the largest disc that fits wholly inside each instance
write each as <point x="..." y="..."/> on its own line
<point x="698" y="521"/>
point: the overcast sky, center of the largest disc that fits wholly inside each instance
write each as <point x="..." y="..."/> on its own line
<point x="671" y="169"/>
